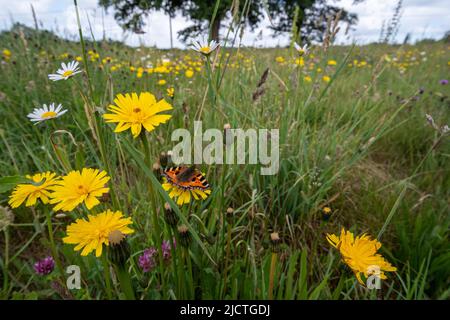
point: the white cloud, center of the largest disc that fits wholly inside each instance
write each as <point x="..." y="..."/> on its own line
<point x="420" y="18"/>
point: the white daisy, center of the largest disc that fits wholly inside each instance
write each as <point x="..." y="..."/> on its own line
<point x="46" y="113"/>
<point x="204" y="47"/>
<point x="301" y="50"/>
<point x="65" y="72"/>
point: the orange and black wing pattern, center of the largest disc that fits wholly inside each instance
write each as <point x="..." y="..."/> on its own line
<point x="186" y="178"/>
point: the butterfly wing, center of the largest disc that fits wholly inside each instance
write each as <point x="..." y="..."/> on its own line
<point x="186" y="178"/>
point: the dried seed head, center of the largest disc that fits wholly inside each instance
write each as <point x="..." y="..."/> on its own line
<point x="169" y="216"/>
<point x="156" y="170"/>
<point x="6" y="217"/>
<point x="185" y="237"/>
<point x="163" y="159"/>
<point x="119" y="250"/>
<point x="229" y="214"/>
<point x="275" y="240"/>
<point x="115" y="237"/>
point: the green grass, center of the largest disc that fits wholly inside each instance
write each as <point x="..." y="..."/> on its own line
<point x="359" y="144"/>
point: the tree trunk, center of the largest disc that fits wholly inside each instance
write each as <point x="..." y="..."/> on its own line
<point x="215" y="28"/>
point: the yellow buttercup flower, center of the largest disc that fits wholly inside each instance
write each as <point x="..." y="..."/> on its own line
<point x="360" y="254"/>
<point x="30" y="192"/>
<point x="6" y="53"/>
<point x="280" y="59"/>
<point x="92" y="233"/>
<point x="134" y="112"/>
<point x="184" y="195"/>
<point x="78" y="187"/>
<point x="189" y="73"/>
<point x="171" y="92"/>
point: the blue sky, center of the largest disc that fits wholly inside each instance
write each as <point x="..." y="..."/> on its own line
<point x="421" y="18"/>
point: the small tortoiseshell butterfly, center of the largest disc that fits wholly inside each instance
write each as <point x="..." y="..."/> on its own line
<point x="186" y="178"/>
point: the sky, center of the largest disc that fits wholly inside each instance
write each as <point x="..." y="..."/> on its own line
<point x="420" y="18"/>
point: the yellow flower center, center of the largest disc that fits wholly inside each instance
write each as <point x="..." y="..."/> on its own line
<point x="206" y="49"/>
<point x="67" y="73"/>
<point x="49" y="114"/>
<point x="82" y="190"/>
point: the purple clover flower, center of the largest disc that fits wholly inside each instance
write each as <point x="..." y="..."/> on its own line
<point x="44" y="266"/>
<point x="166" y="249"/>
<point x="443" y="82"/>
<point x="147" y="259"/>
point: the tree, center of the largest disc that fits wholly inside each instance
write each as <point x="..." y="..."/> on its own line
<point x="312" y="20"/>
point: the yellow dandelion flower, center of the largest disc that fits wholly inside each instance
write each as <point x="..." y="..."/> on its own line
<point x="326" y="210"/>
<point x="162" y="82"/>
<point x="184" y="195"/>
<point x="300" y="61"/>
<point x="332" y="62"/>
<point x="189" y="73"/>
<point x="280" y="59"/>
<point x="30" y="192"/>
<point x="133" y="111"/>
<point x="6" y="53"/>
<point x="92" y="233"/>
<point x="307" y="78"/>
<point x="360" y="254"/>
<point x="326" y="78"/>
<point x="78" y="187"/>
<point x="171" y="92"/>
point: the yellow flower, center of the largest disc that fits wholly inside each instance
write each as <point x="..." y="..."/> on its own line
<point x="78" y="58"/>
<point x="78" y="187"/>
<point x="189" y="73"/>
<point x="360" y="254"/>
<point x="171" y="92"/>
<point x="332" y="62"/>
<point x="307" y="78"/>
<point x="162" y="82"/>
<point x="133" y="111"/>
<point x="91" y="234"/>
<point x="39" y="189"/>
<point x="326" y="210"/>
<point x="7" y="53"/>
<point x="183" y="195"/>
<point x="279" y="59"/>
<point x="326" y="78"/>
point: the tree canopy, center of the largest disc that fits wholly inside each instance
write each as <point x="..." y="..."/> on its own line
<point x="310" y="20"/>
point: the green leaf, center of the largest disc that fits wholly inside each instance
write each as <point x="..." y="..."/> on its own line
<point x="8" y="183"/>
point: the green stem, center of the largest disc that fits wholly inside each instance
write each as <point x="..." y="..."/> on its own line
<point x="272" y="274"/>
<point x="227" y="257"/>
<point x="125" y="283"/>
<point x="5" y="264"/>
<point x="83" y="49"/>
<point x="147" y="160"/>
<point x="52" y="243"/>
<point x="106" y="275"/>
<point x="172" y="250"/>
<point x="187" y="257"/>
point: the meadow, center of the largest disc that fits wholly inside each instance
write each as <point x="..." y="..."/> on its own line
<point x="357" y="152"/>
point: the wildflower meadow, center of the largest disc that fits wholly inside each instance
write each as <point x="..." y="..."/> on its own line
<point x="312" y="171"/>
